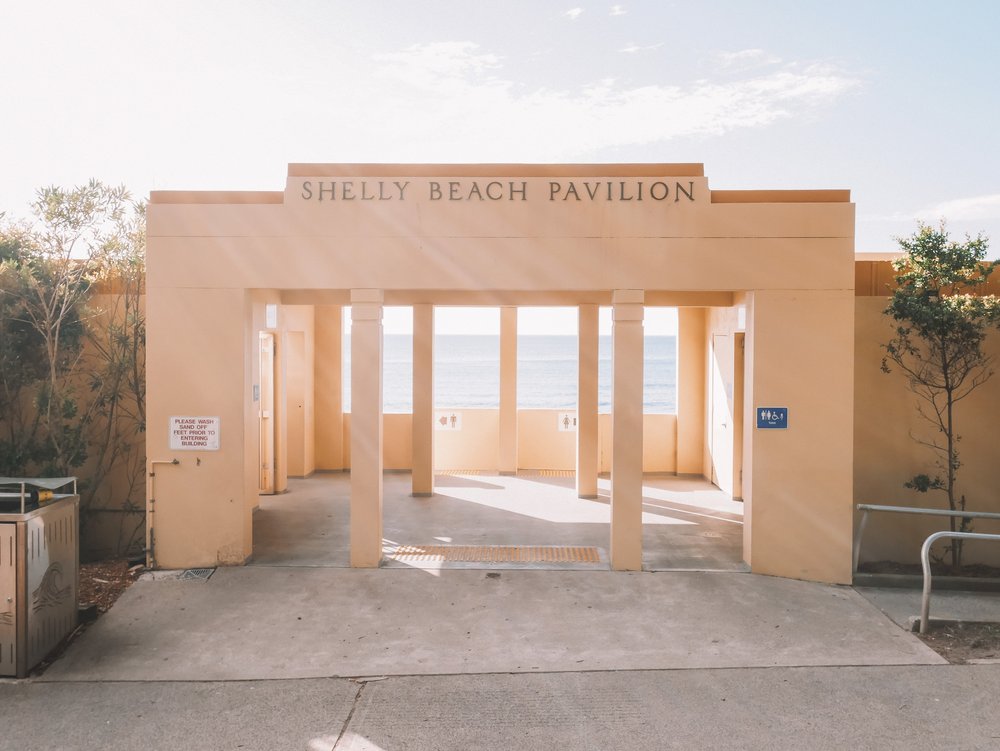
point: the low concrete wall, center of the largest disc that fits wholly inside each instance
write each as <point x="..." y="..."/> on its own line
<point x="541" y="445"/>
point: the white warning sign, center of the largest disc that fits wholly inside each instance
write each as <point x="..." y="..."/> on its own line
<point x="195" y="433"/>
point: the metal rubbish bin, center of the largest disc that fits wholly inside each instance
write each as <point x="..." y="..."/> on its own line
<point x="39" y="568"/>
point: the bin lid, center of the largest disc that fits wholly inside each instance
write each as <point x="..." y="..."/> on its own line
<point x="49" y="483"/>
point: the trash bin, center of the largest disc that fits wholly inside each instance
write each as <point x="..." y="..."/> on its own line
<point x="39" y="568"/>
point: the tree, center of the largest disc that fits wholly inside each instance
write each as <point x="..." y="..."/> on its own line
<point x="940" y="327"/>
<point x="72" y="340"/>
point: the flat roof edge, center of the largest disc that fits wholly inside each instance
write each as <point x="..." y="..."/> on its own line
<point x="304" y="169"/>
<point x="781" y="196"/>
<point x="216" y="196"/>
<point x="877" y="256"/>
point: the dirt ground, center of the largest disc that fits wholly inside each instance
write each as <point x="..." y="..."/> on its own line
<point x="103" y="582"/>
<point x="959" y="643"/>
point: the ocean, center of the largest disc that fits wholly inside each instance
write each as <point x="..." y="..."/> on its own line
<point x="467" y="373"/>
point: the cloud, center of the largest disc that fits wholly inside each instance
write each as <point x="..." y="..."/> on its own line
<point x="573" y="13"/>
<point x="453" y="102"/>
<point x="743" y="59"/>
<point x="974" y="208"/>
<point x="617" y="10"/>
<point x="633" y="48"/>
<point x="431" y="65"/>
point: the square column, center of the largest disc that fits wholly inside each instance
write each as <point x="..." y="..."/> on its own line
<point x="626" y="430"/>
<point x="423" y="400"/>
<point x="329" y="400"/>
<point x="691" y="357"/>
<point x="586" y="402"/>
<point x="508" y="391"/>
<point x="798" y="482"/>
<point x="366" y="428"/>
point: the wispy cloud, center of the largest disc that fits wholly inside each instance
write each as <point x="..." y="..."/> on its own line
<point x="743" y="59"/>
<point x="430" y="65"/>
<point x="964" y="209"/>
<point x="617" y="10"/>
<point x="573" y="13"/>
<point x="969" y="209"/>
<point x="633" y="48"/>
<point x="453" y="102"/>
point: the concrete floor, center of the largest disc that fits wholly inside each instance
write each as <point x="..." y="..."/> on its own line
<point x="688" y="524"/>
<point x="275" y="622"/>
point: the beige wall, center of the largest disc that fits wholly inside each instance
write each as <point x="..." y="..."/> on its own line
<point x="200" y="516"/>
<point x="798" y="482"/>
<point x="297" y="323"/>
<point x="328" y="390"/>
<point x="541" y="445"/>
<point x="885" y="454"/>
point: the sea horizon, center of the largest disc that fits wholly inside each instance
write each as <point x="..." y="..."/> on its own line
<point x="467" y="372"/>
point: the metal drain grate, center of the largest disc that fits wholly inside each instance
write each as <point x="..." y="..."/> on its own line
<point x="196" y="574"/>
<point x="495" y="554"/>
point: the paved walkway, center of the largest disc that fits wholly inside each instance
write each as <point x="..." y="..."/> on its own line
<point x="331" y="658"/>
<point x="263" y="623"/>
<point x="300" y="652"/>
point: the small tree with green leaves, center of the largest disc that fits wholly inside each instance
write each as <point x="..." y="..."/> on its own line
<point x="72" y="341"/>
<point x="941" y="325"/>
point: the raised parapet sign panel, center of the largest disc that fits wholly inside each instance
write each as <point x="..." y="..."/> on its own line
<point x="195" y="433"/>
<point x="347" y="191"/>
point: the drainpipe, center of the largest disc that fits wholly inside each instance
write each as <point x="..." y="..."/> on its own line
<point x="150" y="509"/>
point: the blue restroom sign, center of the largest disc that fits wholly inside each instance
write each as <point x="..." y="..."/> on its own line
<point x="771" y="418"/>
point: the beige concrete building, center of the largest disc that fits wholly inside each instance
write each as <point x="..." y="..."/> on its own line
<point x="246" y="292"/>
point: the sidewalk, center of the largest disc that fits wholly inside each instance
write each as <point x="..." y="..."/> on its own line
<point x="316" y="658"/>
<point x="256" y="623"/>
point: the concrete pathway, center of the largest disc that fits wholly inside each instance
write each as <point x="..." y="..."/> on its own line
<point x="266" y="623"/>
<point x="942" y="707"/>
<point x="329" y="659"/>
<point x="903" y="605"/>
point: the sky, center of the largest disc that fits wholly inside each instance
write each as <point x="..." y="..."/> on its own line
<point x="896" y="100"/>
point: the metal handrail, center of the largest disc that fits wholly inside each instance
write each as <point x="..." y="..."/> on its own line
<point x="866" y="507"/>
<point x="925" y="562"/>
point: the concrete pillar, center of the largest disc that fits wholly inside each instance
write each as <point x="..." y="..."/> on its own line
<point x="202" y="516"/>
<point x="588" y="335"/>
<point x="366" y="427"/>
<point x="626" y="430"/>
<point x="691" y="414"/>
<point x="798" y="482"/>
<point x="508" y="391"/>
<point x="329" y="388"/>
<point x="423" y="400"/>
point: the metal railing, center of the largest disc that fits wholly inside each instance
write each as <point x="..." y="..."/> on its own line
<point x="925" y="550"/>
<point x="925" y="562"/>
<point x="867" y="507"/>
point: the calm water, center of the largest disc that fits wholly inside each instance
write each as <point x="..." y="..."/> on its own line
<point x="467" y="372"/>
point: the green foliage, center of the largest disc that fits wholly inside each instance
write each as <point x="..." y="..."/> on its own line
<point x="72" y="359"/>
<point x="941" y="325"/>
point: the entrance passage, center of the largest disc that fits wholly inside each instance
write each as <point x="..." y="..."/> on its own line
<point x="492" y="521"/>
